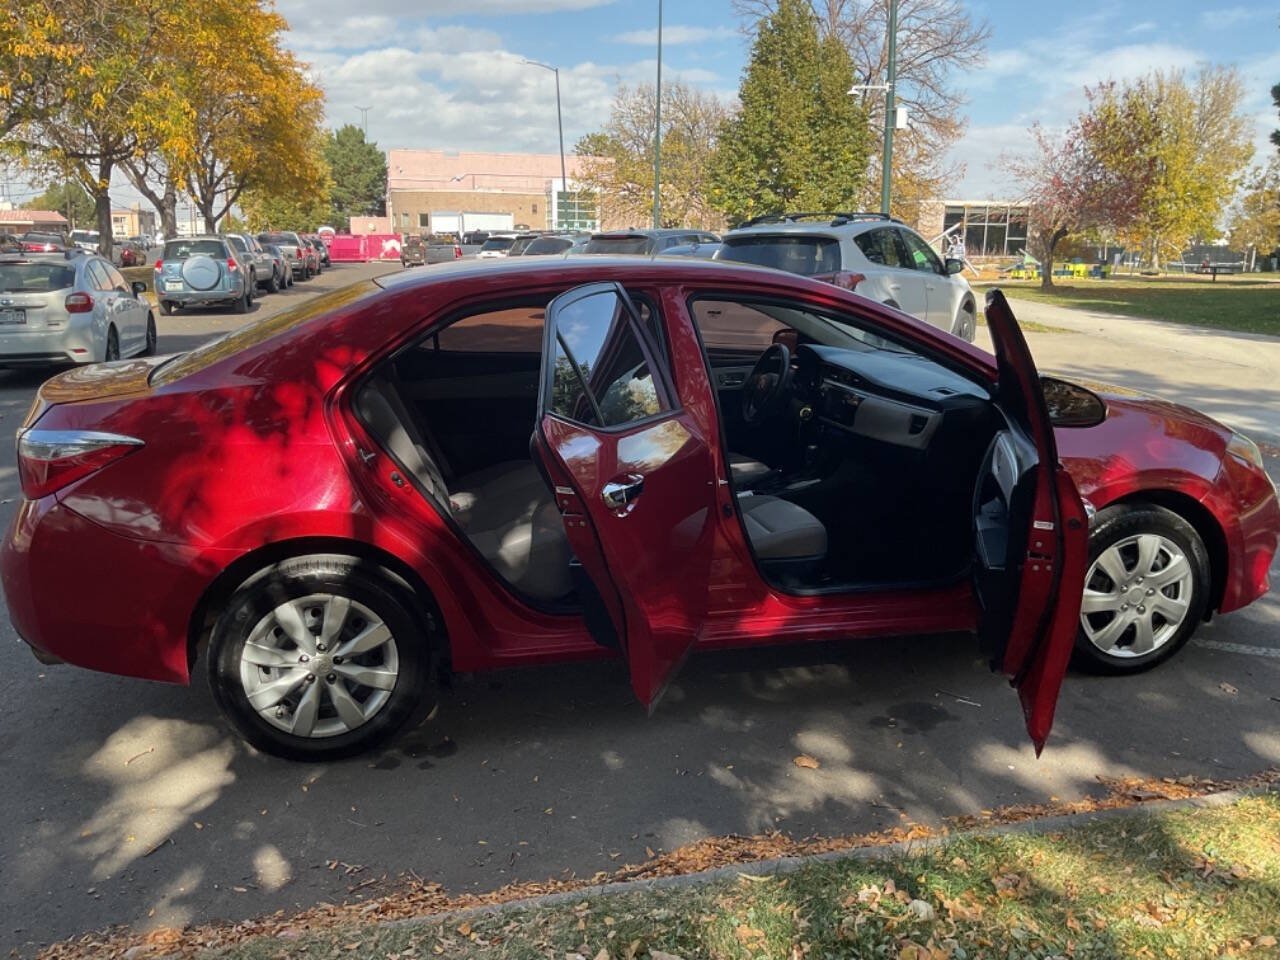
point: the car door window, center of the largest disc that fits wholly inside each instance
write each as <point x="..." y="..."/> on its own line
<point x="98" y="276"/>
<point x="238" y="244"/>
<point x="884" y="247"/>
<point x="922" y="256"/>
<point x="602" y="374"/>
<point x="117" y="279"/>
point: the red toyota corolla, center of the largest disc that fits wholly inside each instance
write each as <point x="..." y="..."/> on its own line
<point x="521" y="462"/>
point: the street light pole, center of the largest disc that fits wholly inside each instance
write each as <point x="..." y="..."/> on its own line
<point x="657" y="135"/>
<point x="564" y="179"/>
<point x="364" y="120"/>
<point x="886" y="166"/>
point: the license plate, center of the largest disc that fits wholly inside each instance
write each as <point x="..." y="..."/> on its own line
<point x="12" y="315"/>
<point x="173" y="284"/>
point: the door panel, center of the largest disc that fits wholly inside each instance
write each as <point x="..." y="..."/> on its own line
<point x="636" y="485"/>
<point x="1031" y="537"/>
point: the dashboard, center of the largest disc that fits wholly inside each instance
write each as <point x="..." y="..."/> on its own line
<point x="885" y="394"/>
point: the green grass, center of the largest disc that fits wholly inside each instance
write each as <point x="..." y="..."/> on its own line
<point x="1242" y="303"/>
<point x="1184" y="884"/>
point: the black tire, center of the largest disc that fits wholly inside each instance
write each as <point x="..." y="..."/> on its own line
<point x="411" y="697"/>
<point x="149" y="349"/>
<point x="166" y="307"/>
<point x="112" y="351"/>
<point x="242" y="304"/>
<point x="273" y="285"/>
<point x="1117" y="523"/>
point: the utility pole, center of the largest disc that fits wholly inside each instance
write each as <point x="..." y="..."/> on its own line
<point x="890" y="117"/>
<point x="364" y="120"/>
<point x="657" y="135"/>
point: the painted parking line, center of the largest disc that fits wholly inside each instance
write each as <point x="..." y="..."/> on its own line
<point x="1244" y="648"/>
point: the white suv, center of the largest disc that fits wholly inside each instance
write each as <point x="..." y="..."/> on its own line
<point x="878" y="256"/>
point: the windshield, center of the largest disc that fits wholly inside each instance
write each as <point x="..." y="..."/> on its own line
<point x="42" y="238"/>
<point x="35" y="277"/>
<point x="84" y="235"/>
<point x="626" y="244"/>
<point x="795" y="254"/>
<point x="181" y="249"/>
<point x="497" y="243"/>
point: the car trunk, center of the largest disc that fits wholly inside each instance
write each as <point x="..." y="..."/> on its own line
<point x="20" y="312"/>
<point x="93" y="382"/>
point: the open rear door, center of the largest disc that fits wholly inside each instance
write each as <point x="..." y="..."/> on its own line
<point x="1031" y="535"/>
<point x="634" y="479"/>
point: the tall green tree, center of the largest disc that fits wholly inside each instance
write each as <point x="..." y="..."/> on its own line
<point x="1275" y="98"/>
<point x="69" y="198"/>
<point x="1255" y="221"/>
<point x="799" y="141"/>
<point x="359" y="175"/>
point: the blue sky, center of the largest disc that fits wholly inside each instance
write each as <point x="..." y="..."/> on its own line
<point x="448" y="74"/>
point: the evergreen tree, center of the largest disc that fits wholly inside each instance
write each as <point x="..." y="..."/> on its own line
<point x="70" y="199"/>
<point x="359" y="172"/>
<point x="799" y="140"/>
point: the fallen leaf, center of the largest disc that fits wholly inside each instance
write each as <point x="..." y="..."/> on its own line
<point x="648" y="852"/>
<point x="1265" y="941"/>
<point x="465" y="929"/>
<point x="807" y="762"/>
<point x="922" y="910"/>
<point x="1227" y="688"/>
<point x="747" y="935"/>
<point x="662" y="955"/>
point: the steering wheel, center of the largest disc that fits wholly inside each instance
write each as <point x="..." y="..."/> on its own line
<point x="767" y="383"/>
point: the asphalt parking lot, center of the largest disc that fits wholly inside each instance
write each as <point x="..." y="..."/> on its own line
<point x="130" y="802"/>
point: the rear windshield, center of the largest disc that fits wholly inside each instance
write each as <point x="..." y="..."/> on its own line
<point x="803" y="255"/>
<point x="35" y="277"/>
<point x="43" y="238"/>
<point x="545" y="245"/>
<point x="181" y="249"/>
<point x="278" y="238"/>
<point x="618" y="245"/>
<point x="498" y="243"/>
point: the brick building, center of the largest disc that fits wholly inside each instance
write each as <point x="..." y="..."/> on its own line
<point x="527" y="186"/>
<point x="40" y="221"/>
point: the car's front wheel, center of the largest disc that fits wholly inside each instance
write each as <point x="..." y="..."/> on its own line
<point x="149" y="345"/>
<point x="1146" y="588"/>
<point x="112" y="351"/>
<point x="319" y="658"/>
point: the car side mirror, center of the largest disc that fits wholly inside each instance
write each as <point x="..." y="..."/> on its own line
<point x="139" y="288"/>
<point x="954" y="266"/>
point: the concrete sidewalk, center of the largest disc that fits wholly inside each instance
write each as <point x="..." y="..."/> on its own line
<point x="1233" y="377"/>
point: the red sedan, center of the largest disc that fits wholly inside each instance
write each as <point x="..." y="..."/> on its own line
<point x="536" y="461"/>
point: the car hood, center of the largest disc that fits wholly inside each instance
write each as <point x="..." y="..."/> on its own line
<point x="1115" y="396"/>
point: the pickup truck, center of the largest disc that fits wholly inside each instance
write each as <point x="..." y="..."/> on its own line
<point x="441" y="248"/>
<point x="413" y="253"/>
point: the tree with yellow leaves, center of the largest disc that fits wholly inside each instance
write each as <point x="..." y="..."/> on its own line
<point x="38" y="52"/>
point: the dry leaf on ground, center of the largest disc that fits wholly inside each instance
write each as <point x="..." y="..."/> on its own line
<point x="807" y="762"/>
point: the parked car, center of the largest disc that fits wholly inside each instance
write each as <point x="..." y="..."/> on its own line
<point x="202" y="271"/>
<point x="557" y="243"/>
<point x="413" y="252"/>
<point x="312" y="255"/>
<point x="294" y="250"/>
<point x="142" y="240"/>
<point x="129" y="254"/>
<point x="441" y="248"/>
<point x="877" y="256"/>
<point x="475" y="238"/>
<point x="705" y="250"/>
<point x="44" y="243"/>
<point x="254" y="258"/>
<point x="822" y="465"/>
<point x="71" y="307"/>
<point x="10" y="243"/>
<point x="284" y="274"/>
<point x="85" y="239"/>
<point x="521" y="242"/>
<point x="322" y="248"/>
<point x="496" y="246"/>
<point x="646" y="241"/>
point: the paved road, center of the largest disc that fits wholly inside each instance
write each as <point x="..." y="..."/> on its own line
<point x="129" y="802"/>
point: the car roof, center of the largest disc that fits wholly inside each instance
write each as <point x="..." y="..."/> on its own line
<point x="813" y="224"/>
<point x="648" y="232"/>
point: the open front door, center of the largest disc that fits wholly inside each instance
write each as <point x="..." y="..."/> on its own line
<point x="1031" y="536"/>
<point x="634" y="479"/>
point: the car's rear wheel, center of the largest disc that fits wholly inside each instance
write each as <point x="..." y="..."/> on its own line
<point x="242" y="302"/>
<point x="112" y="351"/>
<point x="1146" y="588"/>
<point x="273" y="285"/>
<point x="319" y="658"/>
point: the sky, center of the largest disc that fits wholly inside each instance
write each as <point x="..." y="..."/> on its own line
<point x="447" y="74"/>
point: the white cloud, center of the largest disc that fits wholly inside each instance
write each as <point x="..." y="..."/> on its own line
<point x="980" y="151"/>
<point x="1229" y="17"/>
<point x="1146" y="26"/>
<point x="675" y="35"/>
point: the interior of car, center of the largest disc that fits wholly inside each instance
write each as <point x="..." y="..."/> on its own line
<point x="853" y="459"/>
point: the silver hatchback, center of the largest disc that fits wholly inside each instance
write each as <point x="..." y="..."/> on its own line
<point x="70" y="307"/>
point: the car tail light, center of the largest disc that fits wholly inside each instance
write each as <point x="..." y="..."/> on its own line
<point x="842" y="279"/>
<point x="78" y="303"/>
<point x="232" y="265"/>
<point x="48" y="460"/>
<point x="159" y="263"/>
<point x="457" y="252"/>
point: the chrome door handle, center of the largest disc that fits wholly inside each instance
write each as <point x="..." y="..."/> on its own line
<point x="622" y="491"/>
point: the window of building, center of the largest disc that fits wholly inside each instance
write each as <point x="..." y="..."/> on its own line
<point x="404" y="219"/>
<point x="576" y="210"/>
<point x="601" y="374"/>
<point x="424" y="220"/>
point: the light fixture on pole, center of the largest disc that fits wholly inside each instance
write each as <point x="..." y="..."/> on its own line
<point x="657" y="135"/>
<point x="564" y="180"/>
<point x="364" y="120"/>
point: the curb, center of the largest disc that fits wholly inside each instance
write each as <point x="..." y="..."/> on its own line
<point x="781" y="866"/>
